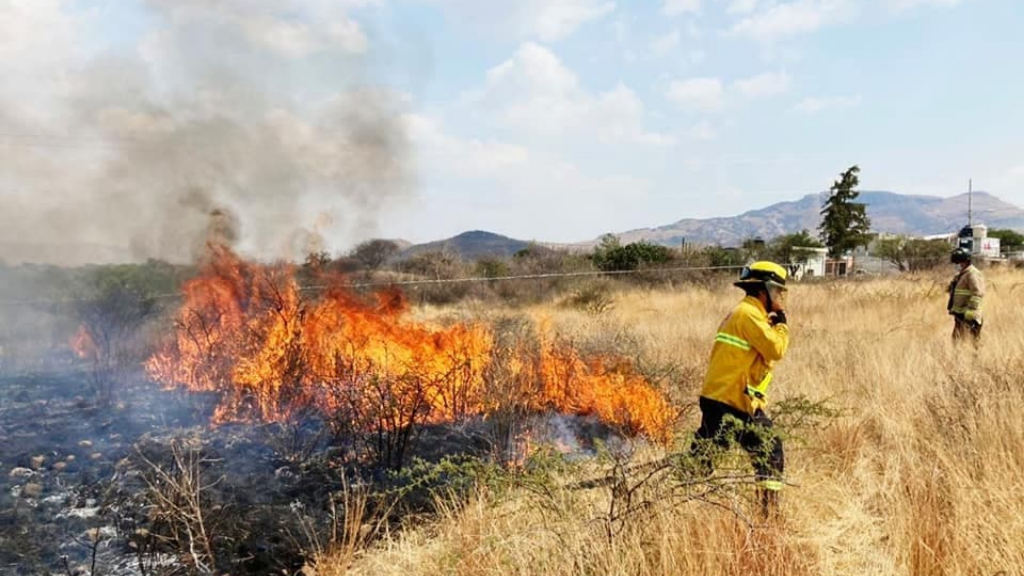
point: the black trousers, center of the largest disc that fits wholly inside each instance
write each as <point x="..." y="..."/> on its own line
<point x="755" y="436"/>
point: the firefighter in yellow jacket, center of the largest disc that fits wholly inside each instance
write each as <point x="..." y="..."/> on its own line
<point x="750" y="341"/>
<point x="966" y="292"/>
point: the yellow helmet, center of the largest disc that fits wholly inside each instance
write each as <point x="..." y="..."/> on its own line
<point x="764" y="272"/>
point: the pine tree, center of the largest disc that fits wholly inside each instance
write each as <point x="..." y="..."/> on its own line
<point x="844" y="222"/>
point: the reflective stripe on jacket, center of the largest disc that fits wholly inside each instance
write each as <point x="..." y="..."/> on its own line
<point x="967" y="292"/>
<point x="745" y="350"/>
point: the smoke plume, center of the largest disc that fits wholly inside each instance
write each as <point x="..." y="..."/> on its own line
<point x="255" y="120"/>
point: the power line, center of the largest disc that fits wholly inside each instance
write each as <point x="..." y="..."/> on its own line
<point x="428" y="281"/>
<point x="526" y="277"/>
<point x="443" y="281"/>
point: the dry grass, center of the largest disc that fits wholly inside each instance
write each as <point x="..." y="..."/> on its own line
<point x="922" y="475"/>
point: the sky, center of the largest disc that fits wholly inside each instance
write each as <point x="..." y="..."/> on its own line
<point x="328" y="122"/>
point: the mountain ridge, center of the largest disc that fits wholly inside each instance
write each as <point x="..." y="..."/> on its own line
<point x="891" y="212"/>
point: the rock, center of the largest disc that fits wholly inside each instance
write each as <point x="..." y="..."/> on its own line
<point x="96" y="455"/>
<point x="37" y="462"/>
<point x="85" y="444"/>
<point x="60" y="466"/>
<point x="20" y="472"/>
<point x="70" y="458"/>
<point x="32" y="490"/>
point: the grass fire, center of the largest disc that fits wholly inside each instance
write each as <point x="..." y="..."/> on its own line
<point x="273" y="352"/>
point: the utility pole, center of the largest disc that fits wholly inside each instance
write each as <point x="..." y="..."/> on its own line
<point x="970" y="203"/>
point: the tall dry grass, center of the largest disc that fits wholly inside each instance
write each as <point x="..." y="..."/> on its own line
<point x="923" y="474"/>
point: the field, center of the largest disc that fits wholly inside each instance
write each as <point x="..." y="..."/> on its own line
<point x="918" y="473"/>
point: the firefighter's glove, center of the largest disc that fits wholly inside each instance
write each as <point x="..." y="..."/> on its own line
<point x="778" y="317"/>
<point x="971" y="316"/>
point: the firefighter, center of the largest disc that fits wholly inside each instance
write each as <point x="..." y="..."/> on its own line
<point x="966" y="292"/>
<point x="750" y="341"/>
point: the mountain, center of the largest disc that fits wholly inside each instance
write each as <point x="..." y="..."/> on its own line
<point x="471" y="245"/>
<point x="889" y="212"/>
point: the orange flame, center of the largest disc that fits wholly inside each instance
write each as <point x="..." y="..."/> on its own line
<point x="271" y="351"/>
<point x="83" y="345"/>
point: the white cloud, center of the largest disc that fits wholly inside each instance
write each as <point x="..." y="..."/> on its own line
<point x="518" y="179"/>
<point x="558" y="19"/>
<point x="662" y="45"/>
<point x="794" y="18"/>
<point x="904" y="5"/>
<point x="764" y="85"/>
<point x="547" y="20"/>
<point x="697" y="93"/>
<point x="702" y="131"/>
<point x="813" y="105"/>
<point x="620" y="114"/>
<point x="534" y="92"/>
<point x="741" y="6"/>
<point x="677" y="7"/>
<point x="463" y="157"/>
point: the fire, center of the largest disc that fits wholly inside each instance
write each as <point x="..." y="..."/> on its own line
<point x="272" y="352"/>
<point x="83" y="345"/>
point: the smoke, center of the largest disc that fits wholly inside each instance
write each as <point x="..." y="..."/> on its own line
<point x="254" y="120"/>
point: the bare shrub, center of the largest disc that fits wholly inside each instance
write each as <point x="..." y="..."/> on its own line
<point x="115" y="305"/>
<point x="595" y="296"/>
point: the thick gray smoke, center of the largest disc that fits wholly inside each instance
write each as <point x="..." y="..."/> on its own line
<point x="263" y="113"/>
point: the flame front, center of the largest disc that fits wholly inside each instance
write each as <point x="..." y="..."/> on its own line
<point x="273" y="352"/>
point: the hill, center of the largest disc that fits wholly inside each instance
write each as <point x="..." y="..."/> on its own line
<point x="471" y="245"/>
<point x="889" y="212"/>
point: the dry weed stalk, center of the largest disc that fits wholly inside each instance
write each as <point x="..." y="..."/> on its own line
<point x="356" y="517"/>
<point x="177" y="493"/>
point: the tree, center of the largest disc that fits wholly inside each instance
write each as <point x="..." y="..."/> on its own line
<point x="611" y="255"/>
<point x="754" y="248"/>
<point x="1009" y="240"/>
<point x="373" y="254"/>
<point x="719" y="257"/>
<point x="788" y="247"/>
<point x="844" y="222"/>
<point x="913" y="254"/>
<point x="491" y="267"/>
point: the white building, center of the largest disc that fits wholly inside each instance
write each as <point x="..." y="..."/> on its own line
<point x="812" y="262"/>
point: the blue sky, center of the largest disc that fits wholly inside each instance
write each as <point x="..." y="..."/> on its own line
<point x="560" y="120"/>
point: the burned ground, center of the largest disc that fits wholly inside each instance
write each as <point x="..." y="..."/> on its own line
<point x="89" y="487"/>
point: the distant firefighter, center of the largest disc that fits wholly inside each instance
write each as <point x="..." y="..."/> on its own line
<point x="966" y="292"/>
<point x="751" y="339"/>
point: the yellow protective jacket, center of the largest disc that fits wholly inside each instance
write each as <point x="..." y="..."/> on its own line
<point x="966" y="292"/>
<point x="746" y="348"/>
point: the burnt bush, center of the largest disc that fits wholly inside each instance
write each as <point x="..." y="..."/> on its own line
<point x="112" y="305"/>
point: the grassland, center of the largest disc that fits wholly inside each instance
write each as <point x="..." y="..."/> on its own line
<point x="922" y="473"/>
